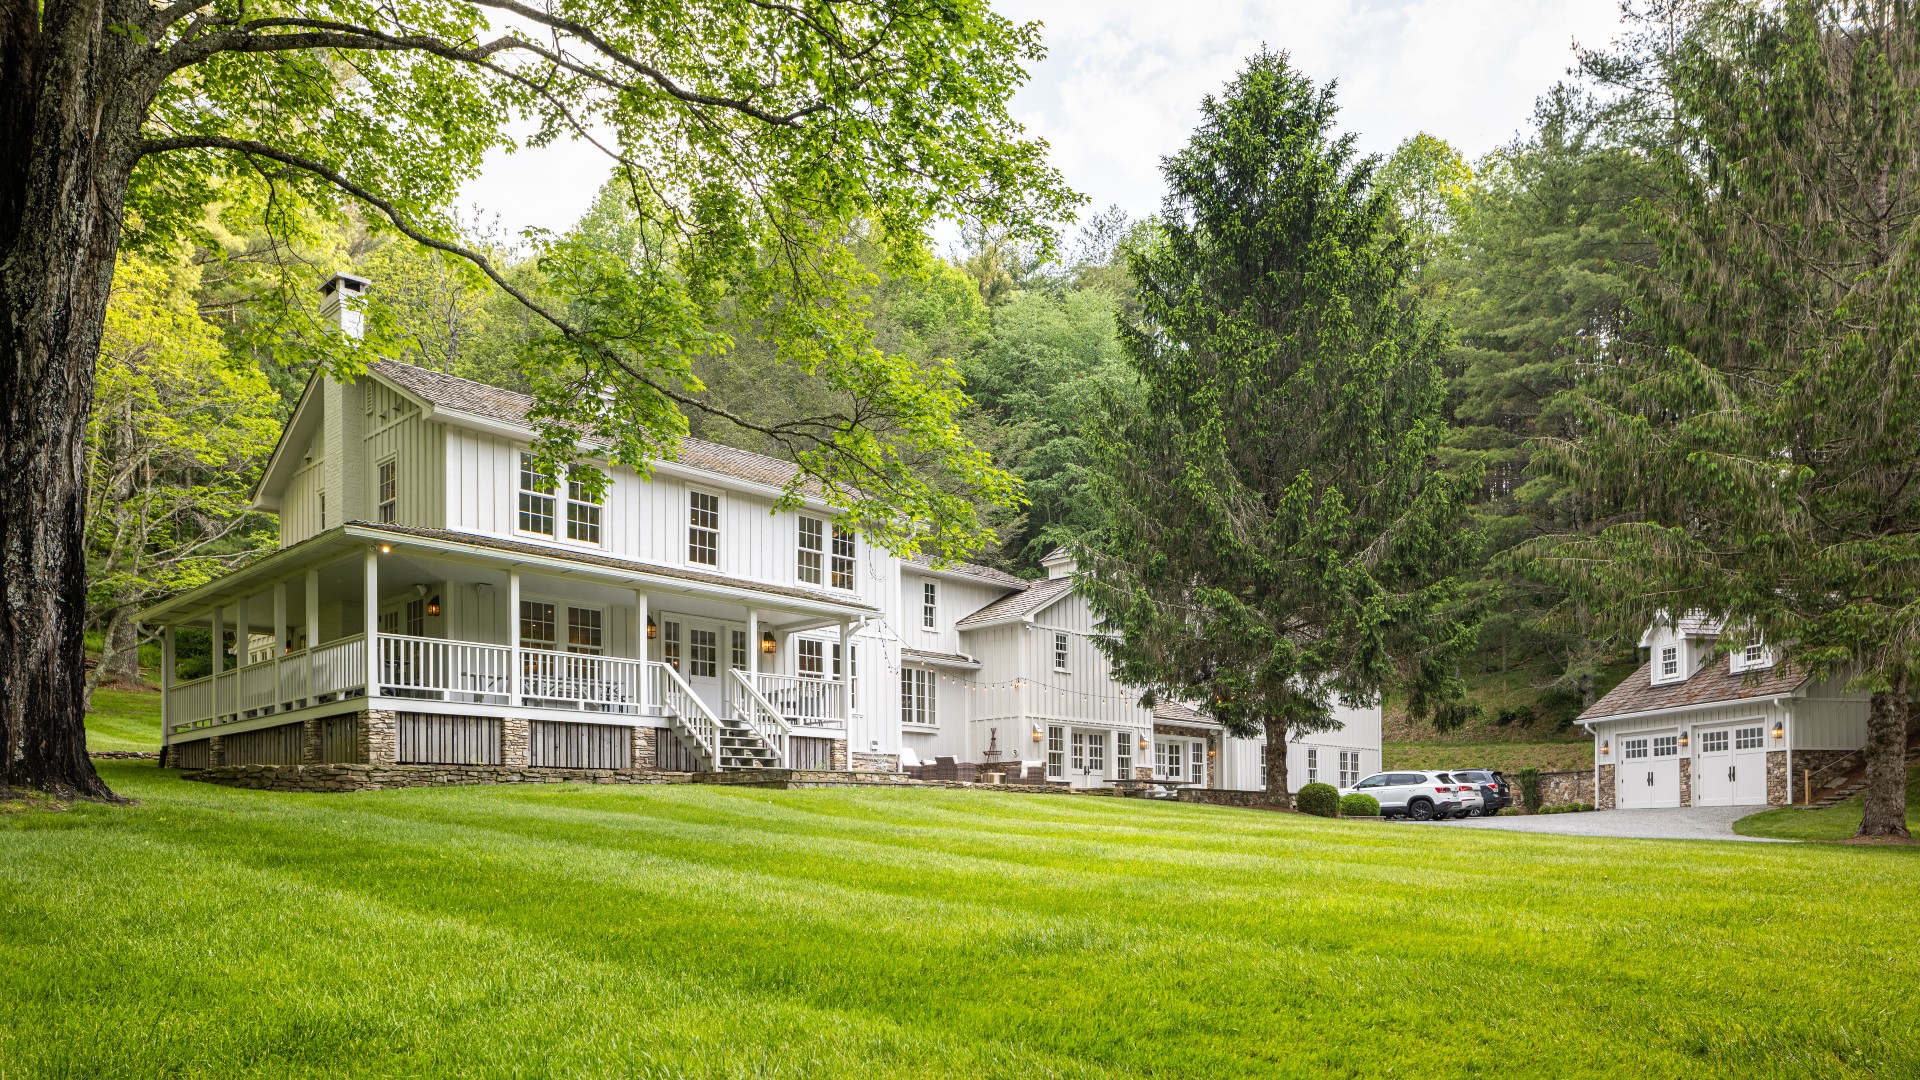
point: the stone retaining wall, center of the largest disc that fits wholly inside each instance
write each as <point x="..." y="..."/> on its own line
<point x="142" y="755"/>
<point x="378" y="777"/>
<point x="1561" y="788"/>
<point x="1217" y="797"/>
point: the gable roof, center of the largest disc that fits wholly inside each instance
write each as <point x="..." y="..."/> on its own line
<point x="1177" y="713"/>
<point x="512" y="407"/>
<point x="1713" y="683"/>
<point x="922" y="561"/>
<point x="1029" y="601"/>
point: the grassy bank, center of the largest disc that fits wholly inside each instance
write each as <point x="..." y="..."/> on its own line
<point x="1833" y="823"/>
<point x="124" y="720"/>
<point x="1505" y="756"/>
<point x="702" y="931"/>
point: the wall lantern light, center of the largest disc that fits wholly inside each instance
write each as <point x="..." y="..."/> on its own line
<point x="1779" y="730"/>
<point x="433" y="608"/>
<point x="1683" y="739"/>
<point x="1143" y="744"/>
<point x="1211" y="753"/>
<point x="767" y="644"/>
<point x="1605" y="748"/>
<point x="386" y="549"/>
<point x="653" y="628"/>
<point x="1038" y="734"/>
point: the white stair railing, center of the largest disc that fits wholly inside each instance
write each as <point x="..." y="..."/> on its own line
<point x="672" y="693"/>
<point x="760" y="715"/>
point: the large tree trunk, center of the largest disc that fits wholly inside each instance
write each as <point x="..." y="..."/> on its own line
<point x="69" y="128"/>
<point x="1886" y="794"/>
<point x="1276" y="751"/>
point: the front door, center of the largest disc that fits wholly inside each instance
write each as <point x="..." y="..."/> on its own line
<point x="1087" y="758"/>
<point x="1730" y="768"/>
<point x="704" y="665"/>
<point x="1649" y="772"/>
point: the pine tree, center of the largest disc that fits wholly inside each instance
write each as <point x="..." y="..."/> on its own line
<point x="1275" y="534"/>
<point x="1762" y="454"/>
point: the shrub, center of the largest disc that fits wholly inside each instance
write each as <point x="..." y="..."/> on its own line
<point x="1565" y="808"/>
<point x="1359" y="804"/>
<point x="1318" y="799"/>
<point x="1530" y="795"/>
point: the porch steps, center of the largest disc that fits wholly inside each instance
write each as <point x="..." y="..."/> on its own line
<point x="1851" y="782"/>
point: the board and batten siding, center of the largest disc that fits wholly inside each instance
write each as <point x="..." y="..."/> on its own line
<point x="300" y="504"/>
<point x="561" y="744"/>
<point x="397" y="433"/>
<point x="432" y="739"/>
<point x="1086" y="692"/>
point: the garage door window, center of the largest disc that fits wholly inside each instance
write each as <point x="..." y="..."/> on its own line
<point x="1749" y="738"/>
<point x="1666" y="746"/>
<point x="1713" y="742"/>
<point x="1633" y="749"/>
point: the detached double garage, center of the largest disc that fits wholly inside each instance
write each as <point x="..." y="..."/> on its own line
<point x="1720" y="739"/>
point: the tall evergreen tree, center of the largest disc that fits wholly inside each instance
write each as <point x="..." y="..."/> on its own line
<point x="1276" y="535"/>
<point x="1763" y="451"/>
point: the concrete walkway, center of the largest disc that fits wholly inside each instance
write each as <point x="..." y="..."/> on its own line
<point x="1682" y="823"/>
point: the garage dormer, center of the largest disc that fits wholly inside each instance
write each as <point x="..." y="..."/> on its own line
<point x="1755" y="655"/>
<point x="1677" y="647"/>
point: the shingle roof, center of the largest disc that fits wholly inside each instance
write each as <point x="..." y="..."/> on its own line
<point x="1175" y="712"/>
<point x="1036" y="595"/>
<point x="946" y="659"/>
<point x="984" y="573"/>
<point x="1711" y="684"/>
<point x="512" y="407"/>
<point x="590" y="559"/>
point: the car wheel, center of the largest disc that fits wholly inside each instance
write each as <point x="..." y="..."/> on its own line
<point x="1475" y="812"/>
<point x="1420" y="809"/>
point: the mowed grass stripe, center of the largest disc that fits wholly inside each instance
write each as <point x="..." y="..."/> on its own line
<point x="724" y="932"/>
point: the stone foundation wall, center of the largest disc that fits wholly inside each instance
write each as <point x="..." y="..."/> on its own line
<point x="1777" y="782"/>
<point x="838" y="758"/>
<point x="867" y="762"/>
<point x="129" y="754"/>
<point x="379" y="737"/>
<point x="1218" y="797"/>
<point x="1686" y="782"/>
<point x="643" y="754"/>
<point x="1603" y="798"/>
<point x="330" y="778"/>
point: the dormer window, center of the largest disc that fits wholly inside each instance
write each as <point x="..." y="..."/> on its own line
<point x="1667" y="665"/>
<point x="1754" y="655"/>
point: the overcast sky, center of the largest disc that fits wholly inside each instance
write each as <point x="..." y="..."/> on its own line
<point x="1123" y="80"/>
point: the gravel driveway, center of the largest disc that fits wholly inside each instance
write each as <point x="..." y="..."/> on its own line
<point x="1681" y="823"/>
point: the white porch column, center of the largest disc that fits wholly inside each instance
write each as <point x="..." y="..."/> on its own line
<point x="279" y="618"/>
<point x="313" y="629"/>
<point x="753" y="645"/>
<point x="217" y="624"/>
<point x="513" y="635"/>
<point x="845" y="676"/>
<point x="167" y="718"/>
<point x="643" y="684"/>
<point x="242" y="632"/>
<point x="370" y="601"/>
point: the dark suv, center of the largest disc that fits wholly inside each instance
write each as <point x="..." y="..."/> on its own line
<point x="1493" y="786"/>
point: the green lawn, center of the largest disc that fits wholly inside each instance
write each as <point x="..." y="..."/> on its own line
<point x="1833" y="823"/>
<point x="1506" y="756"/>
<point x="714" y="932"/>
<point x="124" y="720"/>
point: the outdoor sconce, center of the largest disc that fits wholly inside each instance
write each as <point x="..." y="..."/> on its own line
<point x="1038" y="735"/>
<point x="1605" y="748"/>
<point x="386" y="549"/>
<point x="433" y="608"/>
<point x="1683" y="740"/>
<point x="1779" y="730"/>
<point x="1143" y="744"/>
<point x="653" y="628"/>
<point x="767" y="644"/>
<point x="1211" y="753"/>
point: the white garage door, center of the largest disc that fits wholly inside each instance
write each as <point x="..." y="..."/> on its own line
<point x="1649" y="772"/>
<point x="1730" y="767"/>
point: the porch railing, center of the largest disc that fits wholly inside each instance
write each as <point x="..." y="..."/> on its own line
<point x="802" y="701"/>
<point x="580" y="680"/>
<point x="446" y="670"/>
<point x="746" y="702"/>
<point x="294" y="680"/>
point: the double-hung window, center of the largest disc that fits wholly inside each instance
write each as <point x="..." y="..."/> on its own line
<point x="1123" y="754"/>
<point x="1349" y="768"/>
<point x="929" y="605"/>
<point x="1059" y="652"/>
<point x="1313" y="764"/>
<point x="417" y="618"/>
<point x="536" y="498"/>
<point x="583" y="514"/>
<point x="1670" y="662"/>
<point x="738" y="657"/>
<point x="843" y="550"/>
<point x="813" y="657"/>
<point x="812" y="551"/>
<point x="670" y="643"/>
<point x="1056" y="753"/>
<point x="917" y="697"/>
<point x="536" y="625"/>
<point x="388" y="502"/>
<point x="703" y="528"/>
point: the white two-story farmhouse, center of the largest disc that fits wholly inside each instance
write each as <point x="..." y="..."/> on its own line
<point x="437" y="599"/>
<point x="1694" y="728"/>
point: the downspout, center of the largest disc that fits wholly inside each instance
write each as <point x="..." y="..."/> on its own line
<point x="1786" y="736"/>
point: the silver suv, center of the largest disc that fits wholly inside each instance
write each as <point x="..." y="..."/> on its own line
<point x="1416" y="795"/>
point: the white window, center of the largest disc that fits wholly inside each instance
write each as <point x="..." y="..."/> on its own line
<point x="417" y="618"/>
<point x="583" y="515"/>
<point x="1349" y="768"/>
<point x="1123" y="754"/>
<point x="388" y="489"/>
<point x="812" y="549"/>
<point x="1749" y="738"/>
<point x="1056" y="753"/>
<point x="703" y="653"/>
<point x="1713" y="742"/>
<point x="537" y="625"/>
<point x="1097" y="753"/>
<point x="703" y="528"/>
<point x="670" y="643"/>
<point x="738" y="655"/>
<point x="813" y="654"/>
<point x="1669" y="661"/>
<point x="1756" y="654"/>
<point x="917" y="696"/>
<point x="1633" y="749"/>
<point x="1313" y="763"/>
<point x="929" y="606"/>
<point x="536" y="498"/>
<point x="843" y="551"/>
<point x="1169" y="757"/>
<point x="1666" y="746"/>
<point x="1197" y="758"/>
<point x="1079" y="757"/>
<point x="1059" y="652"/>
